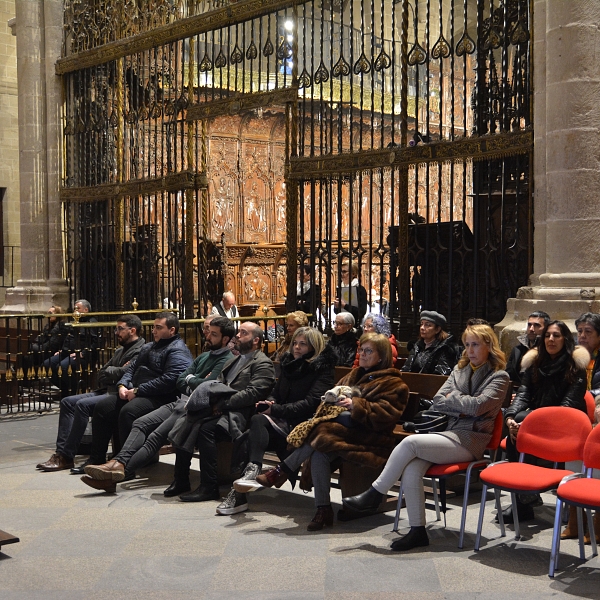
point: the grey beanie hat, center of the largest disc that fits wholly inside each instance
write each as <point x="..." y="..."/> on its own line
<point x="434" y="317"/>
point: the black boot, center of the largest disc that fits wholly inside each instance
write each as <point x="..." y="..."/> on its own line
<point x="366" y="502"/>
<point x="524" y="511"/>
<point x="416" y="537"/>
<point x="181" y="483"/>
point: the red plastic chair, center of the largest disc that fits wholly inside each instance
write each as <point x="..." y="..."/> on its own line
<point x="582" y="492"/>
<point x="590" y="405"/>
<point x="441" y="472"/>
<point x="553" y="433"/>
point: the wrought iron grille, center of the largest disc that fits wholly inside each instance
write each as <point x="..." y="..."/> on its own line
<point x="209" y="145"/>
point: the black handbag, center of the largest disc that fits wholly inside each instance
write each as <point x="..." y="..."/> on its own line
<point x="427" y="421"/>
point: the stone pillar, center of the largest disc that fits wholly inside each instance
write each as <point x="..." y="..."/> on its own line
<point x="566" y="281"/>
<point x="39" y="33"/>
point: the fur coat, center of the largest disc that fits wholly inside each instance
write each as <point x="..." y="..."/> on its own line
<point x="551" y="387"/>
<point x="378" y="400"/>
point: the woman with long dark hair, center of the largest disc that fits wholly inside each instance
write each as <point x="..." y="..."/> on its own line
<point x="554" y="375"/>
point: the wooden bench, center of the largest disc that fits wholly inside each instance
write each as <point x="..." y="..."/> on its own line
<point x="425" y="385"/>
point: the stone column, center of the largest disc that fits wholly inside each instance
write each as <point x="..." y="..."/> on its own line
<point x="39" y="32"/>
<point x="566" y="281"/>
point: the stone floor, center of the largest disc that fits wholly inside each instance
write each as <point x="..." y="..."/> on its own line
<point x="76" y="543"/>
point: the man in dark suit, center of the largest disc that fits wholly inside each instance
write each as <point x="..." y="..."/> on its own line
<point x="253" y="376"/>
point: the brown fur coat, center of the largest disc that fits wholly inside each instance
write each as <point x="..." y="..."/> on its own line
<point x="376" y="411"/>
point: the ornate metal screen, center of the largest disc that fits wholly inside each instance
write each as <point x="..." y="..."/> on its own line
<point x="209" y="145"/>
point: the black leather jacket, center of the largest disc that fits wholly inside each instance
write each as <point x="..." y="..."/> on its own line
<point x="439" y="359"/>
<point x="550" y="389"/>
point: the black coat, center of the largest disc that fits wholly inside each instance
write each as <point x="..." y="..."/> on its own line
<point x="51" y="339"/>
<point x="358" y="312"/>
<point x="344" y="347"/>
<point x="86" y="340"/>
<point x="551" y="387"/>
<point x="595" y="389"/>
<point x="513" y="365"/>
<point x="439" y="359"/>
<point x="305" y="303"/>
<point x="301" y="384"/>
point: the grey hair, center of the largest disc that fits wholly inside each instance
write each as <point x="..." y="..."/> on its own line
<point x="85" y="304"/>
<point x="348" y="318"/>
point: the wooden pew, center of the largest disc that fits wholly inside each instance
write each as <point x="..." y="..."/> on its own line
<point x="425" y="385"/>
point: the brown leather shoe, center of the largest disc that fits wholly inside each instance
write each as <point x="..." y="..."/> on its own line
<point x="57" y="462"/>
<point x="570" y="531"/>
<point x="104" y="486"/>
<point x="113" y="470"/>
<point x="324" y="517"/>
<point x="586" y="537"/>
<point x="274" y="477"/>
<point x="52" y="459"/>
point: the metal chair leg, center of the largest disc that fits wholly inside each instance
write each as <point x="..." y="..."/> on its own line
<point x="398" y="509"/>
<point x="500" y="513"/>
<point x="480" y="520"/>
<point x="580" y="533"/>
<point x="592" y="532"/>
<point x="513" y="500"/>
<point x="463" y="517"/>
<point x="555" y="539"/>
<point x="436" y="499"/>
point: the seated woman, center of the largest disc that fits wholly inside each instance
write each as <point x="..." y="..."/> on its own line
<point x="378" y="324"/>
<point x="435" y="352"/>
<point x="307" y="372"/>
<point x="293" y="321"/>
<point x="471" y="397"/>
<point x="343" y="341"/>
<point x="361" y="434"/>
<point x="554" y="375"/>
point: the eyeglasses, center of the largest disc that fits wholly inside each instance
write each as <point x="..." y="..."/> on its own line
<point x="365" y="351"/>
<point x="120" y="328"/>
<point x="345" y="271"/>
<point x="336" y="324"/>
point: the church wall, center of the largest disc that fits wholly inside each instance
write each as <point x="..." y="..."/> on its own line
<point x="9" y="144"/>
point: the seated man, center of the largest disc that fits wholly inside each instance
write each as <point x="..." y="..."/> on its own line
<point x="535" y="323"/>
<point x="75" y="411"/>
<point x="150" y="432"/>
<point x="78" y="350"/>
<point x="148" y="383"/>
<point x="227" y="308"/>
<point x="253" y="376"/>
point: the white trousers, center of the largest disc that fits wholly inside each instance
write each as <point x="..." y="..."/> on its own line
<point x="410" y="460"/>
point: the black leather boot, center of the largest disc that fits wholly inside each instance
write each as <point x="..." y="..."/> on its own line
<point x="417" y="536"/>
<point x="366" y="502"/>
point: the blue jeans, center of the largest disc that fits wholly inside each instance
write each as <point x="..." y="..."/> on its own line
<point x="75" y="412"/>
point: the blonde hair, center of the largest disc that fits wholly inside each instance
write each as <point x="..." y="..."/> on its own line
<point x="314" y="338"/>
<point x="353" y="268"/>
<point x="485" y="334"/>
<point x="383" y="346"/>
<point x="299" y="317"/>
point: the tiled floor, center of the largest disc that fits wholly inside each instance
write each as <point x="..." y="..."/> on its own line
<point x="76" y="543"/>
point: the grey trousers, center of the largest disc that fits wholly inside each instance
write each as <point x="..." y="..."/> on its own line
<point x="148" y="434"/>
<point x="320" y="470"/>
<point x="410" y="460"/>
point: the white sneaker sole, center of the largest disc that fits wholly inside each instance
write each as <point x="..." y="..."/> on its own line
<point x="244" y="486"/>
<point x="233" y="510"/>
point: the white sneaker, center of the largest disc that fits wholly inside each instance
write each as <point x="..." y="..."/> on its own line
<point x="233" y="503"/>
<point x="247" y="482"/>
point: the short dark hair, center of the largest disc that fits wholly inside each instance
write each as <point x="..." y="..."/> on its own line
<point x="132" y="321"/>
<point x="540" y="314"/>
<point x="476" y="321"/>
<point x="305" y="269"/>
<point x="592" y="318"/>
<point x="172" y="320"/>
<point x="225" y="325"/>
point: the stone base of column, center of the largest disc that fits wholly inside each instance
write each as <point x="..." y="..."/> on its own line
<point x="563" y="296"/>
<point x="35" y="296"/>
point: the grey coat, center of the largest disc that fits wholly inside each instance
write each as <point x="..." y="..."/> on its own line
<point x="472" y="401"/>
<point x="115" y="368"/>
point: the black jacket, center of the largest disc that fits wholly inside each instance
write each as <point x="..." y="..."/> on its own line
<point x="156" y="369"/>
<point x="51" y="339"/>
<point x="595" y="389"/>
<point x="344" y="347"/>
<point x="305" y="303"/>
<point x="551" y="387"/>
<point x="86" y="340"/>
<point x="513" y="366"/>
<point x="301" y="384"/>
<point x="115" y="368"/>
<point x="439" y="359"/>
